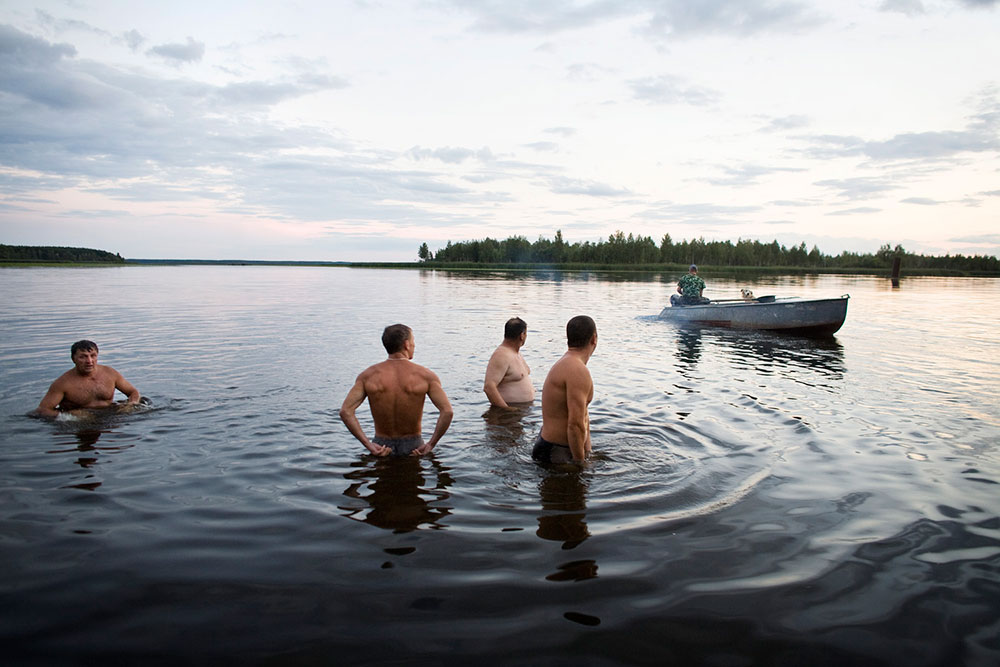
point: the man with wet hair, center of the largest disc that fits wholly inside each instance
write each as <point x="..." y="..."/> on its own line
<point x="567" y="392"/>
<point x="86" y="386"/>
<point x="508" y="378"/>
<point x="395" y="389"/>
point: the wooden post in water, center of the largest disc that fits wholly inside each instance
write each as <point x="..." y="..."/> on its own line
<point x="895" y="271"/>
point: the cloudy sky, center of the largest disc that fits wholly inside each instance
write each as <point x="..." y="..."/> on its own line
<point x="357" y="129"/>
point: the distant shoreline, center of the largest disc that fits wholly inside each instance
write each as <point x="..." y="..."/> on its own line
<point x="516" y="268"/>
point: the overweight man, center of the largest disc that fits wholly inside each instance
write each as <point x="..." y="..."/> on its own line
<point x="508" y="378"/>
<point x="86" y="386"/>
<point x="395" y="389"/>
<point x="567" y="392"/>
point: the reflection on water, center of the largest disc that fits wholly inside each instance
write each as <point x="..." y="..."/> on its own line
<point x="563" y="517"/>
<point x="753" y="499"/>
<point x="403" y="493"/>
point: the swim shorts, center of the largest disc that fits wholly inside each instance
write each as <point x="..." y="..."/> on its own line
<point x="550" y="452"/>
<point x="400" y="446"/>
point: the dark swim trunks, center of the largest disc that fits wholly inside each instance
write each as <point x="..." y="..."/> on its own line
<point x="550" y="452"/>
<point x="400" y="446"/>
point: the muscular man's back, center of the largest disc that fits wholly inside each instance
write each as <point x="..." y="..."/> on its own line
<point x="396" y="389"/>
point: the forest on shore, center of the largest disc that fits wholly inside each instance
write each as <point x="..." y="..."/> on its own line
<point x="625" y="251"/>
<point x="57" y="254"/>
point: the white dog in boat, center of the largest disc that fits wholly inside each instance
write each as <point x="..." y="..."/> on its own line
<point x="747" y="294"/>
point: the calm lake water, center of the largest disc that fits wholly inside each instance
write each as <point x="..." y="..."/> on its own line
<point x="755" y="499"/>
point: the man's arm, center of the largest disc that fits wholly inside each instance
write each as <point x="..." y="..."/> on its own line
<point x="440" y="400"/>
<point x="355" y="397"/>
<point x="578" y="387"/>
<point x="52" y="398"/>
<point x="495" y="372"/>
<point x="126" y="387"/>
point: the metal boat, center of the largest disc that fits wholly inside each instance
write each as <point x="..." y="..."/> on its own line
<point x="811" y="317"/>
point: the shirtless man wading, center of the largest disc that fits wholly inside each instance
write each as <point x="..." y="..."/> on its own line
<point x="86" y="386"/>
<point x="508" y="378"/>
<point x="395" y="389"/>
<point x="567" y="392"/>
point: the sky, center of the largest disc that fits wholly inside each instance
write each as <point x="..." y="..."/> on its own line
<point x="357" y="130"/>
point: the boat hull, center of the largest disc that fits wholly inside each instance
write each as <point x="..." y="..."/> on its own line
<point x="812" y="317"/>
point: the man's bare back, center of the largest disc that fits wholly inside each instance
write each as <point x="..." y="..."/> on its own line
<point x="566" y="395"/>
<point x="395" y="389"/>
<point x="87" y="386"/>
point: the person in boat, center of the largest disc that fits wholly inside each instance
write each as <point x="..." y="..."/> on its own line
<point x="396" y="389"/>
<point x="567" y="392"/>
<point x="689" y="289"/>
<point x="86" y="386"/>
<point x="508" y="378"/>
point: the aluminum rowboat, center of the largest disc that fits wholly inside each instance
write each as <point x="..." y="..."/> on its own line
<point x="812" y="317"/>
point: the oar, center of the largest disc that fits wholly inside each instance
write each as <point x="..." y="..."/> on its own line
<point x="760" y="299"/>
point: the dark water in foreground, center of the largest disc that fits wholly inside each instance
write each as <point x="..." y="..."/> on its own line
<point x="755" y="499"/>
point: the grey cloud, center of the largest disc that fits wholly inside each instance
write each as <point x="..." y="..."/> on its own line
<point x="263" y="93"/>
<point x="657" y="18"/>
<point x="978" y="4"/>
<point x="790" y="202"/>
<point x="570" y="186"/>
<point x="908" y="7"/>
<point x="19" y="49"/>
<point x="561" y="131"/>
<point x="981" y="238"/>
<point x="786" y="123"/>
<point x="133" y="39"/>
<point x="191" y="51"/>
<point x="859" y="188"/>
<point x="60" y="25"/>
<point x="504" y="16"/>
<point x="698" y="213"/>
<point x="982" y="134"/>
<point x="549" y="146"/>
<point x="991" y="193"/>
<point x="861" y="210"/>
<point x="75" y="122"/>
<point x="739" y="17"/>
<point x="672" y="90"/>
<point x="922" y="201"/>
<point x="450" y="155"/>
<point x="746" y="174"/>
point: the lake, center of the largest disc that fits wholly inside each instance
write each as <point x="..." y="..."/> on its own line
<point x="754" y="499"/>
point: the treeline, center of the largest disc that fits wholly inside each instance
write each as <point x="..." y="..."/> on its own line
<point x="620" y="249"/>
<point x="28" y="253"/>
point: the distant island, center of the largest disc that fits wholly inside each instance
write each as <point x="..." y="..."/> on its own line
<point x="643" y="252"/>
<point x="57" y="255"/>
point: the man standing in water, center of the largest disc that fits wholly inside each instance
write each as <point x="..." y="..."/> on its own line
<point x="86" y="386"/>
<point x="508" y="378"/>
<point x="567" y="392"/>
<point x="395" y="389"/>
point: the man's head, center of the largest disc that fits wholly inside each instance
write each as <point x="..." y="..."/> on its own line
<point x="395" y="337"/>
<point x="580" y="331"/>
<point x="84" y="356"/>
<point x="514" y="328"/>
<point x="86" y="345"/>
<point x="693" y="268"/>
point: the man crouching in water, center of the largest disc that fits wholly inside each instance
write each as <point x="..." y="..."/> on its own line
<point x="395" y="390"/>
<point x="567" y="392"/>
<point x="86" y="386"/>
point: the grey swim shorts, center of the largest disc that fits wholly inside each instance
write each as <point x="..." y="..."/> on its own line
<point x="400" y="446"/>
